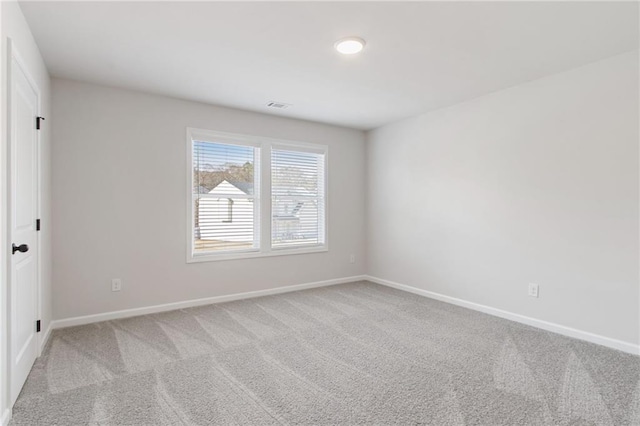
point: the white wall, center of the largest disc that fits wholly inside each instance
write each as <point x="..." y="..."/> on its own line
<point x="537" y="183"/>
<point x="14" y="26"/>
<point x="116" y="152"/>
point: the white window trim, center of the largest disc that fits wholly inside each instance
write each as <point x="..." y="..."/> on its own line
<point x="264" y="228"/>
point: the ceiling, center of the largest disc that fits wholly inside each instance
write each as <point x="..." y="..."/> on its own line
<point x="419" y="56"/>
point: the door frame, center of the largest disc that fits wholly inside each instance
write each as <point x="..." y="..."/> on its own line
<point x="13" y="56"/>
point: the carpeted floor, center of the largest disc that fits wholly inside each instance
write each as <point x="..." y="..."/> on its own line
<point x="348" y="354"/>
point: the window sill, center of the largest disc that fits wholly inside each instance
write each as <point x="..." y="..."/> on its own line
<point x="254" y="254"/>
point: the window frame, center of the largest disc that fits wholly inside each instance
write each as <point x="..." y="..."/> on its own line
<point x="264" y="197"/>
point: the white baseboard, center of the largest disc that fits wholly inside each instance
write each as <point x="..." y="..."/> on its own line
<point x="6" y="416"/>
<point x="45" y="336"/>
<point x="545" y="325"/>
<point x="88" y="319"/>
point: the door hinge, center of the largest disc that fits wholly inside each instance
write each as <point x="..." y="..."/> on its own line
<point x="37" y="224"/>
<point x="38" y="120"/>
<point x="38" y="326"/>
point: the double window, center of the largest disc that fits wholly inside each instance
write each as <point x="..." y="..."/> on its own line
<point x="251" y="197"/>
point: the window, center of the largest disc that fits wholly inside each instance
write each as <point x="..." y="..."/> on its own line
<point x="297" y="194"/>
<point x="229" y="211"/>
<point x="253" y="197"/>
<point x="225" y="190"/>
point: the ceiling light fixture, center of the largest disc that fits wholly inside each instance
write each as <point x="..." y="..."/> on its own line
<point x="349" y="45"/>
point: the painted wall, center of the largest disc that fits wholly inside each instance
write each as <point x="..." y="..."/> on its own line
<point x="534" y="184"/>
<point x="116" y="152"/>
<point x="14" y="26"/>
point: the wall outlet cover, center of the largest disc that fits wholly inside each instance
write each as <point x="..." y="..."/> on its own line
<point x="116" y="284"/>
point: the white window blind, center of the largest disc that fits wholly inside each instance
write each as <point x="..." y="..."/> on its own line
<point x="297" y="198"/>
<point x="226" y="197"/>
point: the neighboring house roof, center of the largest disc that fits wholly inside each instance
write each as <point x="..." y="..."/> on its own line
<point x="246" y="187"/>
<point x="202" y="190"/>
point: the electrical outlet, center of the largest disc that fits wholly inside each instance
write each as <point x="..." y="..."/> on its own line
<point x="116" y="284"/>
<point x="533" y="290"/>
<point x="352" y="258"/>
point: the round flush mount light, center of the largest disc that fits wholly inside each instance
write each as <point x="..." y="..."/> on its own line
<point x="349" y="45"/>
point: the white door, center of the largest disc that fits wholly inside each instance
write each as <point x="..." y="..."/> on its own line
<point x="23" y="113"/>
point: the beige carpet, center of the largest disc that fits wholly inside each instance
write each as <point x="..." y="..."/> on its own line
<point x="348" y="354"/>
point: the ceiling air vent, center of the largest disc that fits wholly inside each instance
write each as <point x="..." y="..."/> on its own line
<point x="278" y="105"/>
